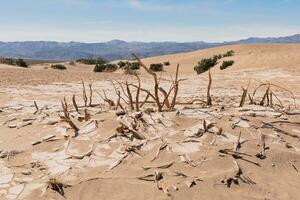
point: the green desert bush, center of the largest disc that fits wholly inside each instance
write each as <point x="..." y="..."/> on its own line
<point x="217" y="57"/>
<point x="156" y="67"/>
<point x="122" y="64"/>
<point x="205" y="64"/>
<point x="8" y="61"/>
<point x="129" y="65"/>
<point x="91" y="61"/>
<point x="72" y="63"/>
<point x="226" y="64"/>
<point x="228" y="53"/>
<point x="58" y="66"/>
<point x="16" y="62"/>
<point x="21" y="63"/>
<point x="134" y="66"/>
<point x="167" y="63"/>
<point x="105" y="67"/>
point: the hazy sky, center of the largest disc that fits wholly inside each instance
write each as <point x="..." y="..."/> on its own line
<point x="147" y="20"/>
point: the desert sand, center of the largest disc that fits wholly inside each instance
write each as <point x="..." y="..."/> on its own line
<point x="194" y="151"/>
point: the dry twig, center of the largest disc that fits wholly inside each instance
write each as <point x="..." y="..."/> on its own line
<point x="85" y="99"/>
<point x="67" y="115"/>
<point x="209" y="101"/>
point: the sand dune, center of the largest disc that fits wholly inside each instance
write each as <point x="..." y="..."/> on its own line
<point x="246" y="56"/>
<point x="193" y="152"/>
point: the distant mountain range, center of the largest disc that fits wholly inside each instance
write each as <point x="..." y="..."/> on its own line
<point x="115" y="49"/>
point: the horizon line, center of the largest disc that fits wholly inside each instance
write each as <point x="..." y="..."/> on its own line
<point x="128" y="41"/>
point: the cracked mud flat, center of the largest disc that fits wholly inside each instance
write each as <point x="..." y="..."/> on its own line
<point x="193" y="152"/>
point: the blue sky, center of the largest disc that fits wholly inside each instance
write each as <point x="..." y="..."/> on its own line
<point x="147" y="20"/>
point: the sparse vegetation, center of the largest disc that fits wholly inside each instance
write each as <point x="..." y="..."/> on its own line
<point x="157" y="67"/>
<point x="91" y="61"/>
<point x="228" y="53"/>
<point x="122" y="64"/>
<point x="21" y="63"/>
<point x="58" y="66"/>
<point x="167" y="63"/>
<point x="72" y="63"/>
<point x="8" y="61"/>
<point x="134" y="66"/>
<point x="129" y="65"/>
<point x="217" y="57"/>
<point x="205" y="64"/>
<point x="226" y="63"/>
<point x="105" y="67"/>
<point x="16" y="62"/>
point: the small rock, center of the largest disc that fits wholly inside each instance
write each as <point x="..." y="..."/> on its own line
<point x="26" y="172"/>
<point x="3" y="154"/>
<point x="288" y="145"/>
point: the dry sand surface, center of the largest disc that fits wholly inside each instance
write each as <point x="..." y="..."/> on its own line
<point x="195" y="151"/>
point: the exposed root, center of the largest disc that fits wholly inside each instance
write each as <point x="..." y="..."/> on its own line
<point x="209" y="101"/>
<point x="75" y="104"/>
<point x="262" y="154"/>
<point x="57" y="186"/>
<point x="124" y="128"/>
<point x="67" y="115"/>
<point x="176" y="88"/>
<point x="267" y="94"/>
<point x="110" y="102"/>
<point x="129" y="96"/>
<point x="238" y="176"/>
<point x="160" y="148"/>
<point x="238" y="143"/>
<point x="85" y="99"/>
<point x="87" y="116"/>
<point x="91" y="94"/>
<point x="36" y="107"/>
<point x="137" y="97"/>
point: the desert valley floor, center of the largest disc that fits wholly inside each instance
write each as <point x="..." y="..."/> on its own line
<point x="195" y="151"/>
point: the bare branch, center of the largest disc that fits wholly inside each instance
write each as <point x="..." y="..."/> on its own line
<point x="91" y="94"/>
<point x="84" y="94"/>
<point x="67" y="115"/>
<point x="137" y="93"/>
<point x="209" y="103"/>
<point x="156" y="83"/>
<point x="75" y="104"/>
<point x="129" y="96"/>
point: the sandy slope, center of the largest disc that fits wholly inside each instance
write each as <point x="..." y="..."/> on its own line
<point x="94" y="165"/>
<point x="246" y="56"/>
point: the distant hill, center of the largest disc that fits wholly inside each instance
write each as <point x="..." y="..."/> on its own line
<point x="278" y="40"/>
<point x="115" y="49"/>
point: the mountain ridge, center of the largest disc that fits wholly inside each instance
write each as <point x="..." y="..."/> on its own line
<point x="117" y="49"/>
